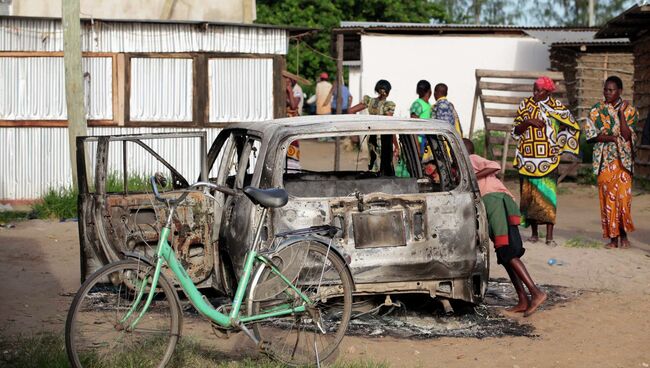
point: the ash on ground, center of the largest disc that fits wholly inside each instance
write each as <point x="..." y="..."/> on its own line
<point x="420" y="317"/>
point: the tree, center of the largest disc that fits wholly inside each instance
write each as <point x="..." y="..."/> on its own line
<point x="311" y="56"/>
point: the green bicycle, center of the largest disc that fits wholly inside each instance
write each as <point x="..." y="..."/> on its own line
<point x="298" y="296"/>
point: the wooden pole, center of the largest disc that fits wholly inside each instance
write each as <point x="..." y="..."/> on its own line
<point x="73" y="79"/>
<point x="474" y="103"/>
<point x="504" y="157"/>
<point x="339" y="95"/>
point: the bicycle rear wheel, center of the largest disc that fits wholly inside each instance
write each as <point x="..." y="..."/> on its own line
<point x="320" y="274"/>
<point x="96" y="334"/>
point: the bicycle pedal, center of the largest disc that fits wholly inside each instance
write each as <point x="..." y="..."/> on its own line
<point x="222" y="333"/>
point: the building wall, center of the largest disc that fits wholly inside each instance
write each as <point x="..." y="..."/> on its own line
<point x="404" y="60"/>
<point x="585" y="72"/>
<point x="642" y="101"/>
<point x="236" y="11"/>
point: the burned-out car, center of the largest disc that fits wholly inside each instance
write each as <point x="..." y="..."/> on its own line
<point x="402" y="192"/>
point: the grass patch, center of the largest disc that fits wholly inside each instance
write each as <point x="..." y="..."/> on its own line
<point x="57" y="203"/>
<point x="62" y="203"/>
<point x="9" y="216"/>
<point x="580" y="242"/>
<point x="47" y="350"/>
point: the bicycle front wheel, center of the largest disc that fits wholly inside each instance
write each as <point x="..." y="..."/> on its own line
<point x="312" y="336"/>
<point x="99" y="330"/>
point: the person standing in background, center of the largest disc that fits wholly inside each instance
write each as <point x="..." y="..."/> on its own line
<point x="323" y="88"/>
<point x="299" y="95"/>
<point x="346" y="100"/>
<point x="610" y="127"/>
<point x="443" y="109"/>
<point x="421" y="108"/>
<point x="544" y="129"/>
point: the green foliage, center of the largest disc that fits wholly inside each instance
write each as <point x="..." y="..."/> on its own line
<point x="43" y="350"/>
<point x="8" y="216"/>
<point x="586" y="176"/>
<point x="580" y="242"/>
<point x="135" y="183"/>
<point x="48" y="351"/>
<point x="478" y="139"/>
<point x="533" y="13"/>
<point x="314" y="54"/>
<point x="57" y="203"/>
<point x="62" y="203"/>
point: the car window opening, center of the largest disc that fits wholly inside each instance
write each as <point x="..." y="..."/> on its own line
<point x="411" y="164"/>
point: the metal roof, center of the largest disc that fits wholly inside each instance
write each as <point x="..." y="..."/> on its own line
<point x="573" y="37"/>
<point x="433" y="27"/>
<point x="632" y="23"/>
<point x="291" y="29"/>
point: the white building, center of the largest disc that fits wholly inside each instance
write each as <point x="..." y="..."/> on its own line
<point x="140" y="76"/>
<point x="404" y="53"/>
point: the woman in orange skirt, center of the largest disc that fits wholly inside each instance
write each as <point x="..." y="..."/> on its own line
<point x="611" y="127"/>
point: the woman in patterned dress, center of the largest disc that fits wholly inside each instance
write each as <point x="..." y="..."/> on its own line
<point x="378" y="106"/>
<point x="610" y="128"/>
<point x="544" y="129"/>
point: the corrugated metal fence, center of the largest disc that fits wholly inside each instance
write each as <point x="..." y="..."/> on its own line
<point x="47" y="151"/>
<point x="104" y="36"/>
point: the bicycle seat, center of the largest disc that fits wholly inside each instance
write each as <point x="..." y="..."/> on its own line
<point x="270" y="198"/>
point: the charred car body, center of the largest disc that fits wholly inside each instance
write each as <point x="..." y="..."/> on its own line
<point x="410" y="214"/>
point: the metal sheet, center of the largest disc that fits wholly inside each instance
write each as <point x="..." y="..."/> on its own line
<point x="161" y="89"/>
<point x="35" y="88"/>
<point x="105" y="36"/>
<point x="241" y="89"/>
<point x="22" y="147"/>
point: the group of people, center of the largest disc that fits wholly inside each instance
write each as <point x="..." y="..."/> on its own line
<point x="545" y="129"/>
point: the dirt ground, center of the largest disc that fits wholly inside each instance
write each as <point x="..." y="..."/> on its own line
<point x="605" y="325"/>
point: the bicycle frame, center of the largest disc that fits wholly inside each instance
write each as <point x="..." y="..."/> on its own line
<point x="165" y="254"/>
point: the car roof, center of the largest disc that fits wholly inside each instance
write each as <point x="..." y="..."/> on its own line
<point x="343" y="123"/>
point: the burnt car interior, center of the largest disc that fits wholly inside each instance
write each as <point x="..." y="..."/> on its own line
<point x="422" y="164"/>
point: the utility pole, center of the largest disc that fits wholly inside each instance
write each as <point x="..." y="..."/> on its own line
<point x="74" y="97"/>
<point x="339" y="94"/>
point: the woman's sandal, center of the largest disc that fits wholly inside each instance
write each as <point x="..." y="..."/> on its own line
<point x="533" y="239"/>
<point x="625" y="244"/>
<point x="611" y="245"/>
<point x="551" y="243"/>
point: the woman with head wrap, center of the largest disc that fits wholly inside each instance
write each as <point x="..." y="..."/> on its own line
<point x="544" y="129"/>
<point x="379" y="106"/>
<point x="610" y="126"/>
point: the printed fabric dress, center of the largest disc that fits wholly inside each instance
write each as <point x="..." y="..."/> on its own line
<point x="538" y="156"/>
<point x="613" y="163"/>
<point x="376" y="106"/>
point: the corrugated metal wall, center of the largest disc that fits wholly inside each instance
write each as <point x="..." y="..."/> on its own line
<point x="34" y="89"/>
<point x="47" y="35"/>
<point x="161" y="89"/>
<point x="49" y="148"/>
<point x="241" y="89"/>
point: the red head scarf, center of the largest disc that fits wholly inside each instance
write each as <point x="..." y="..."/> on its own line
<point x="545" y="83"/>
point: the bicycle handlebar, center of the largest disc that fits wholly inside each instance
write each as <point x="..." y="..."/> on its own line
<point x="181" y="198"/>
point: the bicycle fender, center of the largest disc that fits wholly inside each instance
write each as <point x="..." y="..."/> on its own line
<point x="344" y="256"/>
<point x="139" y="257"/>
